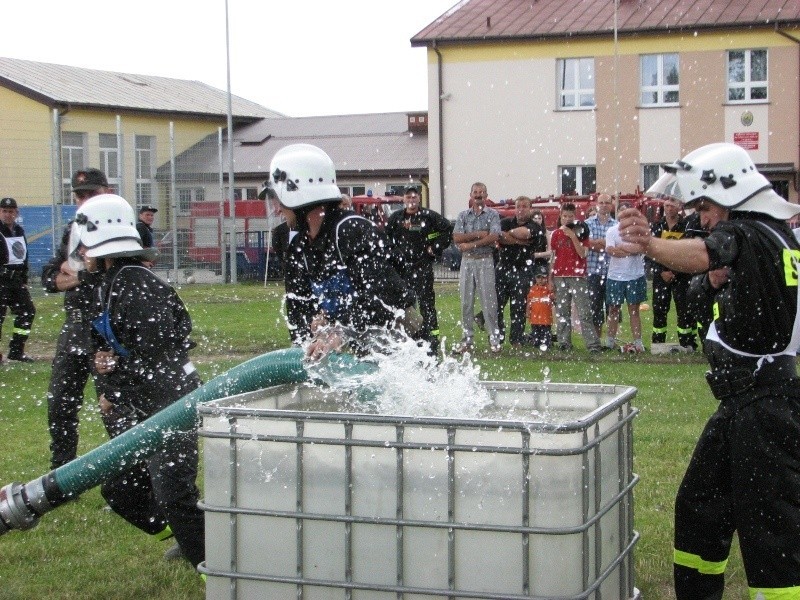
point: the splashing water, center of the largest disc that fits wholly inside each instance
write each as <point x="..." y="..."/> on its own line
<point x="407" y="381"/>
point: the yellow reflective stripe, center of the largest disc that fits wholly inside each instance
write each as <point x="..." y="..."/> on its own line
<point x="659" y="330"/>
<point x="685" y="330"/>
<point x="693" y="561"/>
<point x="790" y="259"/>
<point x="163" y="534"/>
<point x="788" y="593"/>
<point x="18" y="331"/>
<point x="716" y="311"/>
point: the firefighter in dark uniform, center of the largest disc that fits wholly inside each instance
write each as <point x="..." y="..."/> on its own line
<point x="73" y="360"/>
<point x="743" y="475"/>
<point x="141" y="336"/>
<point x="340" y="285"/>
<point x="14" y="292"/>
<point x="523" y="246"/>
<point x="668" y="285"/>
<point x="418" y="236"/>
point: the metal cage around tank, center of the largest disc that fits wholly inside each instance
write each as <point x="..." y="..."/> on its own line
<point x="305" y="502"/>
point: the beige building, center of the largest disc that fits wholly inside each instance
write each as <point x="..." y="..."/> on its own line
<point x="56" y="119"/>
<point x="542" y="98"/>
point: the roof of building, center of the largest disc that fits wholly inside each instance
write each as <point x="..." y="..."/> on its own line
<point x="57" y="85"/>
<point x="379" y="143"/>
<point x="486" y="20"/>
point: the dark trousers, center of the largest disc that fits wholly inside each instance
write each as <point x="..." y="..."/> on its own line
<point x="160" y="490"/>
<point x="541" y="336"/>
<point x="663" y="293"/>
<point x="743" y="477"/>
<point x="16" y="296"/>
<point x="513" y="285"/>
<point x="64" y="400"/>
<point x="420" y="279"/>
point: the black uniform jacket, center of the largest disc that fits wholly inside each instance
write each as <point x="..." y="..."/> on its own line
<point x="21" y="270"/>
<point x="78" y="301"/>
<point x="345" y="273"/>
<point x="418" y="238"/>
<point x="756" y="308"/>
<point x="151" y="322"/>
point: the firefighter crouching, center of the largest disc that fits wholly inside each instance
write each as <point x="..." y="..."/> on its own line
<point x="743" y="475"/>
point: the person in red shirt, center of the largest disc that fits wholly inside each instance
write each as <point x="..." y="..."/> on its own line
<point x="570" y="245"/>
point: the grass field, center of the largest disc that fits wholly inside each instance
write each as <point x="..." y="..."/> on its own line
<point x="82" y="551"/>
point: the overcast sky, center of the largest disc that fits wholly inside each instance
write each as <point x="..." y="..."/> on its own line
<point x="298" y="57"/>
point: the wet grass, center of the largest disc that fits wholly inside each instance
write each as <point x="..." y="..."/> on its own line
<point x="83" y="551"/>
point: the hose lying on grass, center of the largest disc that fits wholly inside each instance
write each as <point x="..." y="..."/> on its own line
<point x="21" y="505"/>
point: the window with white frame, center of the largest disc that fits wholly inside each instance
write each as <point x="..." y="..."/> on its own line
<point x="109" y="160"/>
<point x="73" y="158"/>
<point x="144" y="146"/>
<point x="580" y="180"/>
<point x="353" y="190"/>
<point x="576" y="83"/>
<point x="650" y="174"/>
<point x="747" y="75"/>
<point x="245" y="193"/>
<point x="188" y="195"/>
<point x="659" y="79"/>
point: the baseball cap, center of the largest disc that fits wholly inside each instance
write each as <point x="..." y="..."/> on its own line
<point x="8" y="203"/>
<point x="147" y="208"/>
<point x="541" y="271"/>
<point x="89" y="180"/>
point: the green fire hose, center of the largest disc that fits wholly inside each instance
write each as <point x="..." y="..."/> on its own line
<point x="21" y="505"/>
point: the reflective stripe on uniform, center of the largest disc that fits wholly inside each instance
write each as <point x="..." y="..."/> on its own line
<point x="693" y="561"/>
<point x="684" y="331"/>
<point x="20" y="331"/>
<point x="788" y="593"/>
<point x="659" y="330"/>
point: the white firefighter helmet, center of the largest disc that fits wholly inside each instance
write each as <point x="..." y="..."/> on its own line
<point x="302" y="175"/>
<point x="725" y="175"/>
<point x="106" y="226"/>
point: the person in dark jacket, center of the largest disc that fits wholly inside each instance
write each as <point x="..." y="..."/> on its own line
<point x="340" y="285"/>
<point x="523" y="247"/>
<point x="742" y="477"/>
<point x="142" y="348"/>
<point x="73" y="360"/>
<point x="418" y="236"/>
<point x="14" y="292"/>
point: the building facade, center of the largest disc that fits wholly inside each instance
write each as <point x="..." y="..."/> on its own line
<point x="537" y="100"/>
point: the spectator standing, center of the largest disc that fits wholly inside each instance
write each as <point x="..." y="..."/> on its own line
<point x="540" y="310"/>
<point x="476" y="232"/>
<point x="669" y="285"/>
<point x="144" y="226"/>
<point x="597" y="261"/>
<point x="147" y="214"/>
<point x="14" y="292"/>
<point x="742" y="477"/>
<point x="626" y="283"/>
<point x="142" y="347"/>
<point x="523" y="242"/>
<point x="569" y="280"/>
<point x="418" y="236"/>
<point x="74" y="355"/>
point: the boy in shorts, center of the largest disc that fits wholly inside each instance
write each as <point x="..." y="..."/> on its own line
<point x="626" y="283"/>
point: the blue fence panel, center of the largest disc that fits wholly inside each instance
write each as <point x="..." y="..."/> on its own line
<point x="38" y="224"/>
